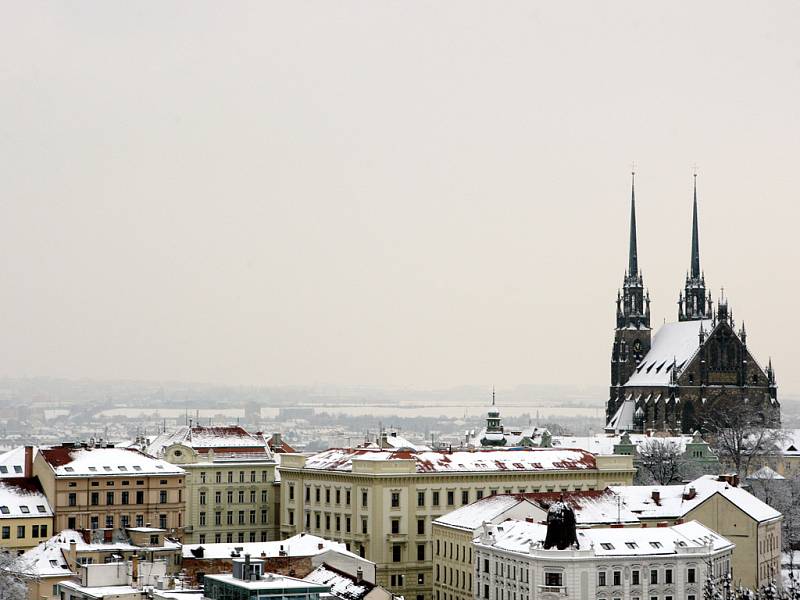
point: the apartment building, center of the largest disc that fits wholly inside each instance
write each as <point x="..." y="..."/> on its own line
<point x="381" y="502"/>
<point x="25" y="515"/>
<point x="230" y="482"/>
<point x="514" y="559"/>
<point x="101" y="487"/>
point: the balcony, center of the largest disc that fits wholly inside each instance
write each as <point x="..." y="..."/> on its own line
<point x="397" y="538"/>
<point x="559" y="590"/>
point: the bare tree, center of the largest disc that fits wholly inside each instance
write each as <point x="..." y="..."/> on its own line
<point x="740" y="437"/>
<point x="14" y="577"/>
<point x="662" y="461"/>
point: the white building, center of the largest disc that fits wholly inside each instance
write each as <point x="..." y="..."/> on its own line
<point x="668" y="563"/>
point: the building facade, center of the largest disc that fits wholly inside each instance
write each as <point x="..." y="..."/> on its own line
<point x="25" y="515"/>
<point x="692" y="369"/>
<point x="91" y="487"/>
<point x="381" y="503"/>
<point x="514" y="560"/>
<point x="230" y="482"/>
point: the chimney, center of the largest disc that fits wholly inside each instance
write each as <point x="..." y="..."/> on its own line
<point x="134" y="570"/>
<point x="690" y="493"/>
<point x="320" y="546"/>
<point x="246" y="575"/>
<point x="28" y="468"/>
<point x="359" y="575"/>
<point x="72" y="554"/>
<point x="656" y="495"/>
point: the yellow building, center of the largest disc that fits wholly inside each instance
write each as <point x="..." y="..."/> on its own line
<point x="230" y="482"/>
<point x="25" y="515"/>
<point x="93" y="487"/>
<point x="381" y="503"/>
<point x="720" y="504"/>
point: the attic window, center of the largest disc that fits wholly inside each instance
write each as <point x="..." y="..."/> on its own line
<point x="159" y="466"/>
<point x="137" y="468"/>
<point x="41" y="508"/>
<point x="106" y="468"/>
<point x="3" y="469"/>
<point x="660" y="366"/>
<point x="17" y="469"/>
<point x="53" y="563"/>
<point x="4" y="510"/>
<point x="24" y="509"/>
<point x="653" y="364"/>
<point x="682" y="544"/>
<point x="93" y="468"/>
<point x="656" y="544"/>
<point x="69" y="469"/>
<point x="122" y="468"/>
<point x="632" y="545"/>
<point x="607" y="546"/>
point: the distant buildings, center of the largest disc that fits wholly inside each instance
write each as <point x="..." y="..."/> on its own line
<point x="231" y="494"/>
<point x="381" y="502"/>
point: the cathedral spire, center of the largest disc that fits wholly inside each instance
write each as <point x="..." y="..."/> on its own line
<point x="695" y="240"/>
<point x="633" y="259"/>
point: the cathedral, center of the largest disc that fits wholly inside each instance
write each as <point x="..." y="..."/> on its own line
<point x="690" y="369"/>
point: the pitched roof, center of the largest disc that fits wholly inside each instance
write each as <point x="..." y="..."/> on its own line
<point x="12" y="463"/>
<point x="302" y="544"/>
<point x="676" y="342"/>
<point x="22" y="497"/>
<point x="518" y="459"/>
<point x="93" y="462"/>
<point x="342" y="585"/>
<point x="228" y="439"/>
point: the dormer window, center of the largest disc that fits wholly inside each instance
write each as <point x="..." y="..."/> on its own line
<point x="69" y="469"/>
<point x="24" y="509"/>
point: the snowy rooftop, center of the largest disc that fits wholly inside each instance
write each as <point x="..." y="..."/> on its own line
<point x="604" y="444"/>
<point x="302" y="544"/>
<point x="676" y="500"/>
<point x="521" y="459"/>
<point x="342" y="585"/>
<point x="517" y="536"/>
<point x="12" y="463"/>
<point x="229" y="438"/>
<point x="101" y="591"/>
<point x="93" y="462"/>
<point x="676" y="342"/>
<point x="766" y="474"/>
<point x="591" y="508"/>
<point x="270" y="581"/>
<point x="23" y="497"/>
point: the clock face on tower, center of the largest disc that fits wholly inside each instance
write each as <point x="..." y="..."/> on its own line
<point x="637" y="346"/>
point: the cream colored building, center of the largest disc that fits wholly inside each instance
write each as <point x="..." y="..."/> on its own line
<point x="454" y="532"/>
<point x="25" y="515"/>
<point x="100" y="487"/>
<point x="721" y="505"/>
<point x="230" y="483"/>
<point x="381" y="503"/>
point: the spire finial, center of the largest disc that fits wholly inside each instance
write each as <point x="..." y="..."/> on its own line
<point x="633" y="259"/>
<point x="695" y="237"/>
<point x="492" y="394"/>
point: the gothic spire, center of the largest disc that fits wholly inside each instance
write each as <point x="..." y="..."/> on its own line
<point x="633" y="260"/>
<point x="695" y="241"/>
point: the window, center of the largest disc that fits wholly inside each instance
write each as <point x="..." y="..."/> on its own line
<point x="635" y="577"/>
<point x="139" y="497"/>
<point x="667" y="576"/>
<point x="395" y="499"/>
<point x="229" y="517"/>
<point x="420" y="552"/>
<point x="20" y="531"/>
<point x="109" y="498"/>
<point x="72" y="499"/>
<point x="328" y="522"/>
<point x="421" y="498"/>
<point x="607" y="546"/>
<point x="109" y="521"/>
<point x="420" y="526"/>
<point x="263" y="478"/>
<point x="230" y="476"/>
<point x="553" y="579"/>
<point x="327" y="495"/>
<point x="338" y="496"/>
<point x="202" y="519"/>
<point x="241" y="496"/>
<point x="347" y="524"/>
<point x="202" y="476"/>
<point x="485" y="565"/>
<point x="263" y="516"/>
<point x="230" y="496"/>
<point x="632" y="545"/>
<point x="317" y="521"/>
<point x="364" y="498"/>
<point x="395" y="525"/>
<point x="162" y="496"/>
<point x="291" y="492"/>
<point x="435" y="499"/>
<point x="126" y="497"/>
<point x="450" y="498"/>
<point x="241" y="517"/>
<point x="479" y="494"/>
<point x="139" y="521"/>
<point x="291" y="517"/>
<point x="162" y="521"/>
<point x="252" y="515"/>
<point x="656" y="544"/>
<point x="653" y="576"/>
<point x="43" y="531"/>
<point x="6" y="532"/>
<point x="263" y="496"/>
<point x="202" y="497"/>
<point x="601" y="578"/>
<point x="202" y="538"/>
<point x="420" y="578"/>
<point x="252" y="476"/>
<point x="124" y="521"/>
<point x="317" y="494"/>
<point x="465" y="497"/>
<point x="94" y="498"/>
<point x="241" y="476"/>
<point x="364" y="528"/>
<point x="396" y="553"/>
<point x="338" y="523"/>
<point x="94" y="522"/>
<point x="35" y="531"/>
<point x="217" y="518"/>
<point x="691" y="575"/>
<point x="218" y="476"/>
<point x="347" y="497"/>
<point x="617" y="578"/>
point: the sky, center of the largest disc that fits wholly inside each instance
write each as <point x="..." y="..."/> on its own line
<point x="422" y="194"/>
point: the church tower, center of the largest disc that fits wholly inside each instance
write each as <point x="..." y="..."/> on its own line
<point x="632" y="334"/>
<point x="693" y="304"/>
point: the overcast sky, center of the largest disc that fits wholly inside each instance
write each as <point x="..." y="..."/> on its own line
<point x="399" y="193"/>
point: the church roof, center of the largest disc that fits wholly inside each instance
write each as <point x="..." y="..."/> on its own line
<point x="676" y="342"/>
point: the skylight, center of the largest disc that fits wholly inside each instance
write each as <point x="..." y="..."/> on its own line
<point x="122" y="468"/>
<point x="69" y="469"/>
<point x="4" y="469"/>
<point x="607" y="546"/>
<point x="93" y="468"/>
<point x="4" y="510"/>
<point x="632" y="545"/>
<point x="24" y="509"/>
<point x="656" y="544"/>
<point x="41" y="508"/>
<point x="137" y="468"/>
<point x="106" y="468"/>
<point x="17" y="469"/>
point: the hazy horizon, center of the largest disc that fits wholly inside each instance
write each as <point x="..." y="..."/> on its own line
<point x="393" y="194"/>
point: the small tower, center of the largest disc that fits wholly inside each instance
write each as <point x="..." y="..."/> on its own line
<point x="494" y="427"/>
<point x="693" y="303"/>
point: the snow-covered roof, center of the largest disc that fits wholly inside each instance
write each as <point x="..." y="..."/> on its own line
<point x="485" y="510"/>
<point x="342" y="585"/>
<point x="302" y="544"/>
<point x="675" y="501"/>
<point x="12" y="463"/>
<point x="93" y="462"/>
<point x="622" y="420"/>
<point x="518" y="459"/>
<point x="790" y="443"/>
<point x="221" y="439"/>
<point x="272" y="581"/>
<point x="101" y="591"/>
<point x="604" y="443"/>
<point x="46" y="560"/>
<point x="765" y="473"/>
<point x="396" y="441"/>
<point x="517" y="536"/>
<point x="676" y="342"/>
<point x="22" y="497"/>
